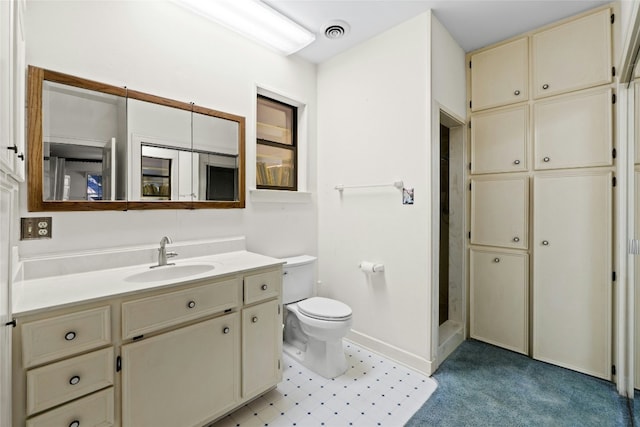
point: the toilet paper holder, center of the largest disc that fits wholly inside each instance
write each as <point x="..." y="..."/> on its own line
<point x="371" y="267"/>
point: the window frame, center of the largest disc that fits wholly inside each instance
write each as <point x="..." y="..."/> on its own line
<point x="293" y="147"/>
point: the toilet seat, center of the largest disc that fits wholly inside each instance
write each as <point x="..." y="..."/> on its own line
<point x="324" y="309"/>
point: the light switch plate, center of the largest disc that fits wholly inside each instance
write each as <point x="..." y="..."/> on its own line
<point x="35" y="228"/>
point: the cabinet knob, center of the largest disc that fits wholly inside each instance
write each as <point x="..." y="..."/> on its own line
<point x="496" y="260"/>
<point x="516" y="239"/>
<point x="516" y="92"/>
<point x="545" y="243"/>
<point x="546" y="159"/>
<point x="264" y="287"/>
<point x="74" y="423"/>
<point x="70" y="336"/>
<point x="74" y="380"/>
<point x="545" y="86"/>
<point x="191" y="304"/>
<point x="516" y="162"/>
<point x="254" y="319"/>
<point x="226" y="330"/>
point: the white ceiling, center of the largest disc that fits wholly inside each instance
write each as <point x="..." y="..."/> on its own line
<point x="472" y="23"/>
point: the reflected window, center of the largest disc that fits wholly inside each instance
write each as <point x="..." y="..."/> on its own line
<point x="156" y="178"/>
<point x="276" y="148"/>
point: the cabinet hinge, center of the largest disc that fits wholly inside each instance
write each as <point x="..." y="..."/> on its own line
<point x="613" y="369"/>
<point x="469" y="234"/>
<point x="279" y="364"/>
<point x="469" y="64"/>
<point x="615" y="181"/>
<point x="469" y="104"/>
<point x="12" y="323"/>
<point x="613" y="71"/>
<point x="469" y="186"/>
<point x="469" y="125"/>
<point x="613" y="18"/>
<point x="614" y="153"/>
<point x="613" y="276"/>
<point x="278" y="308"/>
<point x="118" y="364"/>
<point x="139" y="337"/>
<point x="469" y="165"/>
<point x="613" y="98"/>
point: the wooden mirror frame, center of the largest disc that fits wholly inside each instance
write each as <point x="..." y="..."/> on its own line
<point x="35" y="201"/>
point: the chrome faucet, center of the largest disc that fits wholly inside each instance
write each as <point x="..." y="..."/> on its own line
<point x="163" y="254"/>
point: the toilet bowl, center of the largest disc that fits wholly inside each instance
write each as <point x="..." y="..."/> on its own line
<point x="314" y="326"/>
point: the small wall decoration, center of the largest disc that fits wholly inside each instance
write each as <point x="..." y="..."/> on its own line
<point x="407" y="196"/>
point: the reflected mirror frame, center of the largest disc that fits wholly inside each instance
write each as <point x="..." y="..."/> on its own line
<point x="35" y="202"/>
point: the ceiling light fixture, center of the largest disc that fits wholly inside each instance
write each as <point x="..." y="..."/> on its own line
<point x="256" y="21"/>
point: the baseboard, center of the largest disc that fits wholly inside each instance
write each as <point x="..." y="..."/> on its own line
<point x="396" y="354"/>
<point x="451" y="337"/>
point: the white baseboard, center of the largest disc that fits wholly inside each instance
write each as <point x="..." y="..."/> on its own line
<point x="396" y="354"/>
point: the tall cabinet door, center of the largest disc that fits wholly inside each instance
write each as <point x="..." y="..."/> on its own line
<point x="572" y="56"/>
<point x="499" y="297"/>
<point x="572" y="257"/>
<point x="499" y="211"/>
<point x="500" y="75"/>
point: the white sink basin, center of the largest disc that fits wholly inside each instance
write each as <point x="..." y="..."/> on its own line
<point x="169" y="272"/>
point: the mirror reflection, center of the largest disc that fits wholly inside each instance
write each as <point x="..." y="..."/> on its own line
<point x="100" y="143"/>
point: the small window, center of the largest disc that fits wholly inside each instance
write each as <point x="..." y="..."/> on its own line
<point x="276" y="148"/>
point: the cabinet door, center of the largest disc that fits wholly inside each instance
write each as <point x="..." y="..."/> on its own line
<point x="499" y="298"/>
<point x="499" y="140"/>
<point x="182" y="378"/>
<point x="572" y="255"/>
<point x="499" y="211"/>
<point x="574" y="130"/>
<point x="572" y="56"/>
<point x="499" y="76"/>
<point x="262" y="345"/>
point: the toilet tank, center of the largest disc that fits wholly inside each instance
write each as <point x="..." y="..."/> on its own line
<point x="298" y="279"/>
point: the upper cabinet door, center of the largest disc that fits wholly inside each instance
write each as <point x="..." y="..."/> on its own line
<point x="574" y="130"/>
<point x="499" y="140"/>
<point x="499" y="76"/>
<point x="572" y="56"/>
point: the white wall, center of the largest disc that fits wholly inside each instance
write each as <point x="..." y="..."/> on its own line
<point x="374" y="120"/>
<point x="159" y="48"/>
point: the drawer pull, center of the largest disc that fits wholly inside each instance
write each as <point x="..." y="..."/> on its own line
<point x="496" y="260"/>
<point x="74" y="380"/>
<point x="516" y="239"/>
<point x="516" y="162"/>
<point x="226" y="330"/>
<point x="254" y="319"/>
<point x="191" y="304"/>
<point x="545" y="242"/>
<point x="546" y="159"/>
<point x="70" y="336"/>
<point x="516" y="92"/>
<point x="545" y="86"/>
<point x="74" y="423"/>
<point x="264" y="287"/>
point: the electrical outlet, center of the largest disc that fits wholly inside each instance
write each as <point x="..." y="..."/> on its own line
<point x="35" y="228"/>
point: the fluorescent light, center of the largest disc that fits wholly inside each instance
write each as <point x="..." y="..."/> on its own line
<point x="254" y="20"/>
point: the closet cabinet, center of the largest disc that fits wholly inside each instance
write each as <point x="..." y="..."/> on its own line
<point x="574" y="130"/>
<point x="500" y="75"/>
<point x="499" y="211"/>
<point x="499" y="298"/>
<point x="572" y="56"/>
<point x="572" y="223"/>
<point x="499" y="140"/>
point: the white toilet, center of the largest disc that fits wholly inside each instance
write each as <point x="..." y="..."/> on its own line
<point x="313" y="326"/>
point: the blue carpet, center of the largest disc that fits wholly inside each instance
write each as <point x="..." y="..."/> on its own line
<point x="636" y="408"/>
<point x="483" y="385"/>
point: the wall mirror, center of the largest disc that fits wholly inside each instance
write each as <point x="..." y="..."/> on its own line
<point x="94" y="146"/>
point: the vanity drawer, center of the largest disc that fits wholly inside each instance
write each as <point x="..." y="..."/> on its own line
<point x="154" y="313"/>
<point x="60" y="382"/>
<point x="262" y="286"/>
<point x="95" y="410"/>
<point x="58" y="337"/>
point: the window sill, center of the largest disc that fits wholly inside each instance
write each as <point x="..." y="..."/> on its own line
<point x="279" y="196"/>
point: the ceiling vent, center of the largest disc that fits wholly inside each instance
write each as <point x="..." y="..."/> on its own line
<point x="336" y="30"/>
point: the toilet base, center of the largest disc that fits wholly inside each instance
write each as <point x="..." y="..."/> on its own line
<point x="326" y="359"/>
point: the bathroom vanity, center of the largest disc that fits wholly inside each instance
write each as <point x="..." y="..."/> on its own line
<point x="128" y="347"/>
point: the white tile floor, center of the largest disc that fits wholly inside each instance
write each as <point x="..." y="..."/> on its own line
<point x="373" y="392"/>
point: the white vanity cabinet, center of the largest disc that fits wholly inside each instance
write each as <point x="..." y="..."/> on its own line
<point x="178" y="355"/>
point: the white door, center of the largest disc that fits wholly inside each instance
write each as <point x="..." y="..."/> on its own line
<point x="8" y="192"/>
<point x="572" y="258"/>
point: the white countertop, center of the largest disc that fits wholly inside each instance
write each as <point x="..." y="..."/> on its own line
<point x="31" y="296"/>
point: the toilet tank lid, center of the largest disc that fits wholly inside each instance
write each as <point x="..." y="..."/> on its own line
<point x="298" y="260"/>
